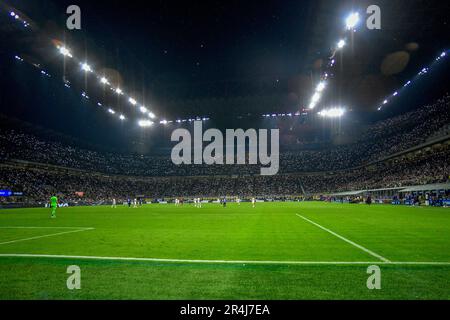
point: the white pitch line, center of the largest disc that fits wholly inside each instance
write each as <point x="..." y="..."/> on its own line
<point x="419" y="263"/>
<point x="85" y="228"/>
<point x="46" y="236"/>
<point x="346" y="240"/>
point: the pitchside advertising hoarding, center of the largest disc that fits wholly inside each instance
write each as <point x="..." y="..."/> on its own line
<point x="9" y="193"/>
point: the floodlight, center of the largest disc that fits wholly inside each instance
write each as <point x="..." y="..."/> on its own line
<point x="163" y="122"/>
<point x="119" y="91"/>
<point x="315" y="98"/>
<point x="332" y="113"/>
<point x="111" y="111"/>
<point x="132" y="101"/>
<point x="122" y="117"/>
<point x="65" y="52"/>
<point x="143" y="109"/>
<point x="86" y="67"/>
<point x="385" y="101"/>
<point x="145" y="123"/>
<point x="341" y="44"/>
<point x="352" y="20"/>
<point x="321" y="86"/>
<point x="103" y="80"/>
<point x="151" y="115"/>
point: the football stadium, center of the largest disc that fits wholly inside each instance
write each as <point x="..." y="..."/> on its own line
<point x="270" y="150"/>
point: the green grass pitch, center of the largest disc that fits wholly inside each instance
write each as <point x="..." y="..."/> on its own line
<point x="295" y="251"/>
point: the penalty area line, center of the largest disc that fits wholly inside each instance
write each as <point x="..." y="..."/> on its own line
<point x="79" y="228"/>
<point x="235" y="262"/>
<point x="376" y="255"/>
<point x="46" y="236"/>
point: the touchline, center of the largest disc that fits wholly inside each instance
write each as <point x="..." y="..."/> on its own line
<point x="235" y="147"/>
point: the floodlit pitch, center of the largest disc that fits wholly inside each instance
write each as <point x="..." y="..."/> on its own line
<point x="301" y="250"/>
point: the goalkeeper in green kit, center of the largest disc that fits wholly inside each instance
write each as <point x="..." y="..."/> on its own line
<point x="54" y="205"/>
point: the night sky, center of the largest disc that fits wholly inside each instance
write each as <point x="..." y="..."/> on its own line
<point x="221" y="59"/>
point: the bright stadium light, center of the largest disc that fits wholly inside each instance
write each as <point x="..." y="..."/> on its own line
<point x="103" y="80"/>
<point x="341" y="44"/>
<point x="385" y="101"/>
<point x="321" y="86"/>
<point x="352" y="20"/>
<point x="132" y="101"/>
<point x="119" y="91"/>
<point x="151" y="115"/>
<point x="86" y="67"/>
<point x="145" y="123"/>
<point x="315" y="98"/>
<point x="122" y="117"/>
<point x="65" y="52"/>
<point x="332" y="113"/>
<point x="163" y="122"/>
<point x="111" y="111"/>
<point x="143" y="109"/>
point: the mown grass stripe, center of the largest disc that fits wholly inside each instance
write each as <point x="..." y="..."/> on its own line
<point x="12" y="255"/>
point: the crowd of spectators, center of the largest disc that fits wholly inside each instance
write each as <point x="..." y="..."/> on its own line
<point x="38" y="184"/>
<point x="379" y="140"/>
<point x="52" y="166"/>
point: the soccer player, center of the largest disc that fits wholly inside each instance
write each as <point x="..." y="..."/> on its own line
<point x="114" y="204"/>
<point x="238" y="200"/>
<point x="54" y="206"/>
<point x="253" y="202"/>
